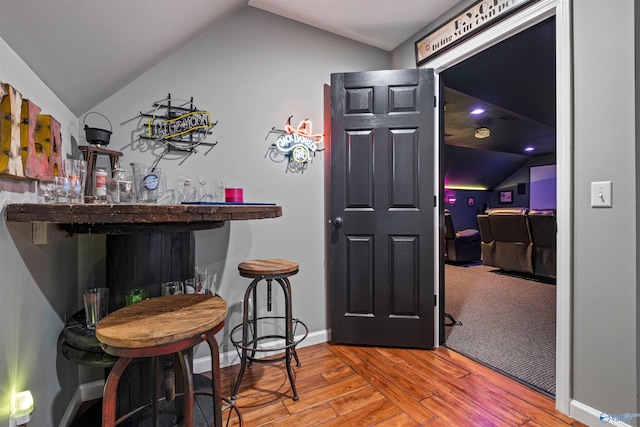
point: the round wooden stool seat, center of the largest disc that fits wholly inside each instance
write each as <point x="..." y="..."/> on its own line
<point x="159" y="321"/>
<point x="268" y="267"/>
<point x="157" y="327"/>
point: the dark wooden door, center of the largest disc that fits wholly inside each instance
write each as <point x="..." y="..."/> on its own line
<point x="382" y="288"/>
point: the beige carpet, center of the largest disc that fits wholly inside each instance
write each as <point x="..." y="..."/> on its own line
<point x="508" y="322"/>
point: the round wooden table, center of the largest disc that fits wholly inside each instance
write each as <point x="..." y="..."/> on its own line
<point x="157" y="327"/>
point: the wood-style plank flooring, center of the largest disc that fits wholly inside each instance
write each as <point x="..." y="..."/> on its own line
<point x="364" y="386"/>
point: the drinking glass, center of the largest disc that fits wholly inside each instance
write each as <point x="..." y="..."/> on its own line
<point x="219" y="192"/>
<point x="126" y="192"/>
<point x="76" y="172"/>
<point x="190" y="286"/>
<point x="201" y="280"/>
<point x="96" y="305"/>
<point x="205" y="282"/>
<point x="79" y="190"/>
<point x="146" y="182"/>
<point x="70" y="171"/>
<point x="172" y="288"/>
<point x="47" y="188"/>
<point x="62" y="189"/>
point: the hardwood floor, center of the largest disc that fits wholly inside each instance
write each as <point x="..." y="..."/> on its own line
<point x="364" y="386"/>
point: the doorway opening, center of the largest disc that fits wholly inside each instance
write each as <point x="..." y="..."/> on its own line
<point x="499" y="124"/>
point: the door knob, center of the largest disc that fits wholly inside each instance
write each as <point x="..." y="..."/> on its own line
<point x="338" y="222"/>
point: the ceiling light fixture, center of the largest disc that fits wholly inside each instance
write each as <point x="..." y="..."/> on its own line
<point x="476" y="111"/>
<point x="529" y="149"/>
<point x="483" y="133"/>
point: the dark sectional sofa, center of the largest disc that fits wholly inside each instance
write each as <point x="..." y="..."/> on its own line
<point x="519" y="240"/>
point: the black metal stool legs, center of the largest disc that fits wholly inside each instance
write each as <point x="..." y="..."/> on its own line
<point x="290" y="318"/>
<point x="253" y="323"/>
<point x="246" y="325"/>
<point x="289" y="344"/>
<point x="248" y="345"/>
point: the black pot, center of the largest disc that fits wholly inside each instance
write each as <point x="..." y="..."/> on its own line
<point x="95" y="135"/>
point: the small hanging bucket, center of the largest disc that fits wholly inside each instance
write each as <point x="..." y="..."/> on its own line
<point x="97" y="136"/>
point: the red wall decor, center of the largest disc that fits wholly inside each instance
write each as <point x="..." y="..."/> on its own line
<point x="30" y="142"/>
<point x="35" y="155"/>
<point x="49" y="136"/>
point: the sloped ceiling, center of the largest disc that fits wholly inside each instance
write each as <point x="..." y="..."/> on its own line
<point x="86" y="50"/>
<point x="514" y="82"/>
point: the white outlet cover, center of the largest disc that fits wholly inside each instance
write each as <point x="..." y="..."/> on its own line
<point x="601" y="194"/>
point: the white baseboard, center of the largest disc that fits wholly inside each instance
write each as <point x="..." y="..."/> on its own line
<point x="93" y="390"/>
<point x="72" y="409"/>
<point x="593" y="417"/>
<point x="230" y="358"/>
<point x="84" y="393"/>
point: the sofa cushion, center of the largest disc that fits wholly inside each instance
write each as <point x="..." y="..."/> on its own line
<point x="468" y="235"/>
<point x="507" y="211"/>
<point x="510" y="225"/>
<point x="543" y="233"/>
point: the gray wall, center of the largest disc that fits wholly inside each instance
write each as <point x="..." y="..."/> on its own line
<point x="404" y="56"/>
<point x="604" y="352"/>
<point x="637" y="114"/>
<point x="251" y="74"/>
<point x="40" y="284"/>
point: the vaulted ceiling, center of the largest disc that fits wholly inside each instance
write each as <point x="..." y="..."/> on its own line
<point x="86" y="50"/>
<point x="514" y="82"/>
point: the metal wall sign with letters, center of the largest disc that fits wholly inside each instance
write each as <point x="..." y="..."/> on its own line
<point x="179" y="125"/>
<point x="478" y="17"/>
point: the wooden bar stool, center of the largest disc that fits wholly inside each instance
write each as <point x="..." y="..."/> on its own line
<point x="249" y="344"/>
<point x="157" y="327"/>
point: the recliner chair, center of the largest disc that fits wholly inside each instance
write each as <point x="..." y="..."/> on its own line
<point x="513" y="244"/>
<point x="488" y="243"/>
<point x="543" y="233"/>
<point x="461" y="246"/>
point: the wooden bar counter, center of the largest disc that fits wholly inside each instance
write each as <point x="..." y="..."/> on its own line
<point x="146" y="244"/>
<point x="135" y="218"/>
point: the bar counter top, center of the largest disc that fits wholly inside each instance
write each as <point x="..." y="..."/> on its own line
<point x="124" y="218"/>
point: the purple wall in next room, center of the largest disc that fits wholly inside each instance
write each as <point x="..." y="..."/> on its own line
<point x="463" y="215"/>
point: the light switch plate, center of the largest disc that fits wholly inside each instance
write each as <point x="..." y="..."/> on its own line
<point x="601" y="194"/>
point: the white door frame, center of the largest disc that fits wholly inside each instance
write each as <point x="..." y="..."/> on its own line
<point x="514" y="24"/>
